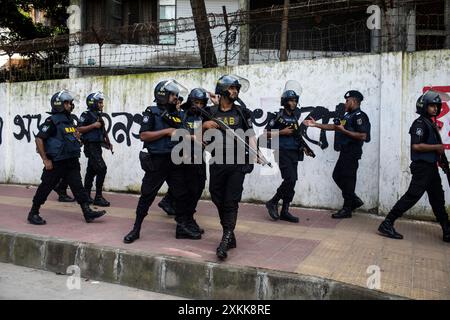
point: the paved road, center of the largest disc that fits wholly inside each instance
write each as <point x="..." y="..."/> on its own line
<point x="21" y="283"/>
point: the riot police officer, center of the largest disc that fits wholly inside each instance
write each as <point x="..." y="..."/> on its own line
<point x="226" y="179"/>
<point x="426" y="149"/>
<point x="167" y="202"/>
<point x="351" y="133"/>
<point x="93" y="135"/>
<point x="195" y="167"/>
<point x="290" y="153"/>
<point x="158" y="125"/>
<point x="59" y="149"/>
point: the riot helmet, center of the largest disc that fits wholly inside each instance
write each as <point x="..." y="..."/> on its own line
<point x="93" y="99"/>
<point x="429" y="97"/>
<point x="58" y="99"/>
<point x="227" y="81"/>
<point x="165" y="88"/>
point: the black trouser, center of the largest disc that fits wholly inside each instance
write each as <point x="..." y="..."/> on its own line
<point x="344" y="175"/>
<point x="174" y="175"/>
<point x="195" y="178"/>
<point x="66" y="169"/>
<point x="288" y="163"/>
<point x="168" y="197"/>
<point x="226" y="186"/>
<point x="96" y="167"/>
<point x="61" y="187"/>
<point x="425" y="178"/>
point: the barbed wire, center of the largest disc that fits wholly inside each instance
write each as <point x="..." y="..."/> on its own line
<point x="173" y="45"/>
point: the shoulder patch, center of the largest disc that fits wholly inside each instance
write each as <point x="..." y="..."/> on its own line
<point x="419" y="132"/>
<point x="45" y="128"/>
<point x="359" y="121"/>
<point x="145" y="119"/>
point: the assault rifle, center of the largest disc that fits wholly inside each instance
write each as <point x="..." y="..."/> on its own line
<point x="225" y="128"/>
<point x="106" y="142"/>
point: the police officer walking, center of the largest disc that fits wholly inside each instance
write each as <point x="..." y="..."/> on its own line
<point x="195" y="167"/>
<point x="93" y="135"/>
<point x="289" y="154"/>
<point x="226" y="179"/>
<point x="351" y="133"/>
<point x="426" y="149"/>
<point x="158" y="125"/>
<point x="59" y="149"/>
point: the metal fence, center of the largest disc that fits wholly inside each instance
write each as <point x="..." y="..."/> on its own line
<point x="323" y="28"/>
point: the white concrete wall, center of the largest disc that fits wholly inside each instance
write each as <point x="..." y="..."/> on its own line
<point x="390" y="83"/>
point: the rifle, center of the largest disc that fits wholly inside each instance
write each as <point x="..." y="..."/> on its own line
<point x="442" y="161"/>
<point x="106" y="143"/>
<point x="177" y="123"/>
<point x="297" y="134"/>
<point x="225" y="128"/>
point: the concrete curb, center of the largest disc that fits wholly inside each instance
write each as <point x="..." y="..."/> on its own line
<point x="173" y="275"/>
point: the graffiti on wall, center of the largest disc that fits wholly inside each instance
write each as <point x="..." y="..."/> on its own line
<point x="120" y="124"/>
<point x="443" y="120"/>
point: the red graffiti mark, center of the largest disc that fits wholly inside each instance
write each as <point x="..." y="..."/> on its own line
<point x="444" y="123"/>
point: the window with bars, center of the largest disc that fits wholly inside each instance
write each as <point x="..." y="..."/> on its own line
<point x="137" y="21"/>
<point x="167" y="16"/>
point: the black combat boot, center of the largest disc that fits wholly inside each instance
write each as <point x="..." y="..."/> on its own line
<point x="342" y="214"/>
<point x="166" y="206"/>
<point x="387" y="229"/>
<point x="193" y="225"/>
<point x="34" y="217"/>
<point x="90" y="200"/>
<point x="285" y="215"/>
<point x="100" y="201"/>
<point x="272" y="207"/>
<point x="89" y="214"/>
<point x="223" y="247"/>
<point x="132" y="235"/>
<point x="232" y="242"/>
<point x="63" y="196"/>
<point x="357" y="202"/>
<point x="183" y="231"/>
<point x="445" y="231"/>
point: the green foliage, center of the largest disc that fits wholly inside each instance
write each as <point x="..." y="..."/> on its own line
<point x="15" y="15"/>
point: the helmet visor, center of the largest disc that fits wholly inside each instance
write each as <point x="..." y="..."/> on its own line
<point x="176" y="87"/>
<point x="293" y="85"/>
<point x="66" y="95"/>
<point x="245" y="84"/>
<point x="99" y="96"/>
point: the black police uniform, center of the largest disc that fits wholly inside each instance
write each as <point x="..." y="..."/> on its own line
<point x="289" y="154"/>
<point x="159" y="169"/>
<point x="425" y="174"/>
<point x="195" y="172"/>
<point x="226" y="180"/>
<point x="63" y="149"/>
<point x="96" y="167"/>
<point x="345" y="171"/>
